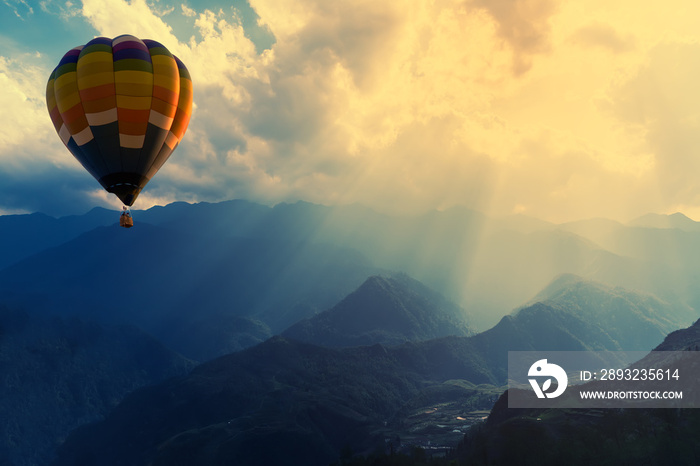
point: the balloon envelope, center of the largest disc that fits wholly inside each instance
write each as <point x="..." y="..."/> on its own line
<point x="121" y="106"/>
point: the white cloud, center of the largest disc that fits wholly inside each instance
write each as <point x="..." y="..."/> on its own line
<point x="188" y="11"/>
<point x="65" y="10"/>
<point x="116" y="17"/>
<point x="26" y="133"/>
<point x="20" y="8"/>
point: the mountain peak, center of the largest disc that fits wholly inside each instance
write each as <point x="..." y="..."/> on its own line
<point x="618" y="309"/>
<point x="387" y="310"/>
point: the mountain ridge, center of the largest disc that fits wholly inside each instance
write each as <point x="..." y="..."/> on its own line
<point x="386" y="310"/>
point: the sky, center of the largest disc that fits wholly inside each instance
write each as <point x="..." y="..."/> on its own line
<point x="560" y="110"/>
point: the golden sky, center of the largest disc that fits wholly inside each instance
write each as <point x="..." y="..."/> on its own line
<point x="556" y="109"/>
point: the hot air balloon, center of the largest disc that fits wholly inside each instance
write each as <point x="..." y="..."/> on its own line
<point x="121" y="106"/>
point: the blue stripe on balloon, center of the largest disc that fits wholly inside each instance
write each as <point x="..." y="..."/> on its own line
<point x="70" y="57"/>
<point x="132" y="53"/>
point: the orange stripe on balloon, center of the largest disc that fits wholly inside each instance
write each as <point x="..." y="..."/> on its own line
<point x="77" y="125"/>
<point x="56" y="118"/>
<point x="165" y="94"/>
<point x="180" y="124"/>
<point x="133" y="116"/>
<point x="132" y="128"/>
<point x="97" y="92"/>
<point x="165" y="108"/>
<point x="100" y="105"/>
<point x="73" y="113"/>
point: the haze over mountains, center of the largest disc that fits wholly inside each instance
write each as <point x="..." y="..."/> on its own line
<point x="441" y="298"/>
<point x="303" y="258"/>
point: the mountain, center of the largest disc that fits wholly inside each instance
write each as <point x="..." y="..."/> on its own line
<point x="485" y="265"/>
<point x="58" y="373"/>
<point x="687" y="339"/>
<point x="635" y="320"/>
<point x="278" y="265"/>
<point x="591" y="436"/>
<point x="281" y="402"/>
<point x="168" y="281"/>
<point x="312" y="401"/>
<point x="387" y="310"/>
<point x="25" y="235"/>
<point x="677" y="220"/>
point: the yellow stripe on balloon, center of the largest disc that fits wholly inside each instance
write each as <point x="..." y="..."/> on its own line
<point x="133" y="103"/>
<point x="165" y="72"/>
<point x="94" y="80"/>
<point x="65" y="79"/>
<point x="185" y="102"/>
<point x="167" y="82"/>
<point x="136" y="77"/>
<point x="99" y="67"/>
<point x="50" y="96"/>
<point x="66" y="102"/>
<point x="134" y="90"/>
<point x="95" y="57"/>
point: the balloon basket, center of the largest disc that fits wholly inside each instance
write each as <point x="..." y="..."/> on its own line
<point x="125" y="219"/>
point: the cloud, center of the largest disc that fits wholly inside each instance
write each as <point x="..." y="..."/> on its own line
<point x="661" y="99"/>
<point x="65" y="10"/>
<point x="49" y="189"/>
<point x="26" y="134"/>
<point x="112" y="18"/>
<point x="602" y="35"/>
<point x="523" y="24"/>
<point x="188" y="11"/>
<point x="501" y="106"/>
<point x="369" y="102"/>
<point x="20" y="8"/>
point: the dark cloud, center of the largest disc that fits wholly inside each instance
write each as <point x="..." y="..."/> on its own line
<point x="47" y="189"/>
<point x="355" y="36"/>
<point x="523" y="24"/>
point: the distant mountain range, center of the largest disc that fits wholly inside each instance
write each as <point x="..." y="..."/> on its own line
<point x="387" y="310"/>
<point x="486" y="265"/>
<point x="310" y="401"/>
